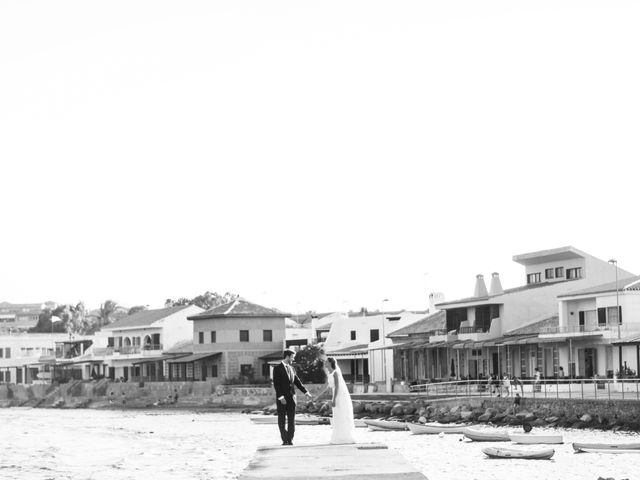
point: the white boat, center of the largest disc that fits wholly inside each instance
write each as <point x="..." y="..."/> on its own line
<point x="435" y="428"/>
<point x="360" y="423"/>
<point x="385" y="424"/>
<point x="532" y="438"/>
<point x="496" y="452"/>
<point x="487" y="435"/>
<point x="606" y="447"/>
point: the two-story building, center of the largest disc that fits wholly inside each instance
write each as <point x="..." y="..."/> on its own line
<point x="20" y="317"/>
<point x="137" y="345"/>
<point x="234" y="341"/>
<point x="470" y="345"/>
<point x="600" y="329"/>
<point x="20" y="355"/>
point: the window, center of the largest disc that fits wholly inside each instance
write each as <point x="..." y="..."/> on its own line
<point x="266" y="370"/>
<point x="353" y="334"/>
<point x="374" y="335"/>
<point x="200" y="337"/>
<point x="213" y="336"/>
<point x="244" y="335"/>
<point x="548" y="273"/>
<point x="559" y="272"/>
<point x="573" y="273"/>
<point x="214" y="370"/>
<point x="7" y="353"/>
<point x="602" y="316"/>
<point x="267" y="335"/>
<point x="246" y="370"/>
<point x="1" y="352"/>
<point x="533" y="278"/>
<point x="612" y="315"/>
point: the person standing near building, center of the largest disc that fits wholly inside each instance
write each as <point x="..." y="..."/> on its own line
<point x="285" y="382"/>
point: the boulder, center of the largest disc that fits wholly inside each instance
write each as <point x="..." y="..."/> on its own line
<point x="485" y="417"/>
<point x="538" y="422"/>
<point x="409" y="409"/>
<point x="551" y="419"/>
<point x="578" y="424"/>
<point x="466" y="415"/>
<point x="422" y="412"/>
<point x="454" y="409"/>
<point x="369" y="407"/>
<point x="357" y="407"/>
<point x="397" y="409"/>
<point x="386" y="408"/>
<point x="422" y="420"/>
<point x="586" y="418"/>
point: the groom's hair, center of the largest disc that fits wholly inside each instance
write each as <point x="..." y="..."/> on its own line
<point x="287" y="352"/>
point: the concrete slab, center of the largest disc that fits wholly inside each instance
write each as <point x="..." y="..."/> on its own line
<point x="361" y="461"/>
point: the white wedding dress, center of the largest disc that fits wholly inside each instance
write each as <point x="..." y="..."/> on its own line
<point x="343" y="426"/>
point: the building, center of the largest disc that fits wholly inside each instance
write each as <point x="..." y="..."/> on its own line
<point x="478" y="338"/>
<point x="600" y="330"/>
<point x="137" y="345"/>
<point x="20" y="356"/>
<point x="358" y="341"/>
<point x="235" y="342"/>
<point x="20" y="317"/>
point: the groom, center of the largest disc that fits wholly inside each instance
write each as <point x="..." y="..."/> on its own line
<point x="284" y="380"/>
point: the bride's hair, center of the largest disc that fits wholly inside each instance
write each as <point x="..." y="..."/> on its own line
<point x="332" y="362"/>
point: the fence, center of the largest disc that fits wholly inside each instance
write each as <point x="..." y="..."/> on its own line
<point x="592" y="389"/>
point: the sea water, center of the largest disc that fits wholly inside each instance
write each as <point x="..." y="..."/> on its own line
<point x="43" y="444"/>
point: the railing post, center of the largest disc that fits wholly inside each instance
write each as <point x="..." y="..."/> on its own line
<point x="622" y="385"/>
<point x="557" y="389"/>
<point x="570" y="387"/>
<point x="595" y="388"/>
<point x="609" y="389"/>
<point x="582" y="389"/>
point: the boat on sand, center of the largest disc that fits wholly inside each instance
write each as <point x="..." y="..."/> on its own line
<point x="486" y="435"/>
<point x="385" y="424"/>
<point x="606" y="447"/>
<point x="300" y="420"/>
<point x="435" y="428"/>
<point x="497" y="452"/>
<point x="531" y="438"/>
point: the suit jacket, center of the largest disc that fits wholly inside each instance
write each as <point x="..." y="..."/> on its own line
<point x="283" y="384"/>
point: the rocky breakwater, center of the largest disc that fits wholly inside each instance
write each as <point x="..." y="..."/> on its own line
<point x="599" y="415"/>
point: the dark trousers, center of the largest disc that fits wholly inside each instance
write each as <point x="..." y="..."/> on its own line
<point x="287" y="414"/>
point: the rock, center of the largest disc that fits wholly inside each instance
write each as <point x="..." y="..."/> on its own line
<point x="551" y="419"/>
<point x="386" y="408"/>
<point x="358" y="407"/>
<point x="422" y="412"/>
<point x="466" y="415"/>
<point x="422" y="420"/>
<point x="586" y="418"/>
<point x="454" y="409"/>
<point x="397" y="409"/>
<point x="538" y="422"/>
<point x="578" y="424"/>
<point x="409" y="410"/>
<point x="491" y="411"/>
<point x="485" y="417"/>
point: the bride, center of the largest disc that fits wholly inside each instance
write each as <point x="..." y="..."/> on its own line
<point x="343" y="426"/>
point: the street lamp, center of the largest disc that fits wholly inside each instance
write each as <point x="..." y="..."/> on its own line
<point x="384" y="344"/>
<point x="615" y="263"/>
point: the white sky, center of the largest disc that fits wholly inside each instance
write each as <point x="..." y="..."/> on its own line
<point x="310" y="155"/>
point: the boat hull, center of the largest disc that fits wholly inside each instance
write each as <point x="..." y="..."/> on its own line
<point x="434" y="429"/>
<point x="530" y="439"/>
<point x="607" y="447"/>
<point x="273" y="420"/>
<point x="486" y="435"/>
<point x="385" y="424"/>
<point x="493" y="452"/>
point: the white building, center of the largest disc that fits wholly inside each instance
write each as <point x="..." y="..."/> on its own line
<point x="20" y="355"/>
<point x="137" y="344"/>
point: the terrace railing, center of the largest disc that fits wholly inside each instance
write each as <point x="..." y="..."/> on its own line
<point x="587" y="388"/>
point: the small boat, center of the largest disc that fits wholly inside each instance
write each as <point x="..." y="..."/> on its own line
<point x="495" y="452"/>
<point x="385" y="424"/>
<point x="530" y="438"/>
<point x="436" y="428"/>
<point x="487" y="435"/>
<point x="360" y="423"/>
<point x="607" y="447"/>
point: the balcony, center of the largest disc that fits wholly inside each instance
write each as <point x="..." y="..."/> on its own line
<point x="607" y="330"/>
<point x="442" y="335"/>
<point x="149" y="349"/>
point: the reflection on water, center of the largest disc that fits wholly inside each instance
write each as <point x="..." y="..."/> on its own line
<point x="157" y="445"/>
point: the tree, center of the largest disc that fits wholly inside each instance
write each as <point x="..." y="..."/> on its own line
<point x="309" y="364"/>
<point x="206" y="301"/>
<point x="137" y="308"/>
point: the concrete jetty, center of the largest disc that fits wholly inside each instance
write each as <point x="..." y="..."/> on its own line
<point x="361" y="461"/>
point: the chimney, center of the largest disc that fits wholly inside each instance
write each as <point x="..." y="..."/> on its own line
<point x="434" y="299"/>
<point x="496" y="286"/>
<point x="481" y="288"/>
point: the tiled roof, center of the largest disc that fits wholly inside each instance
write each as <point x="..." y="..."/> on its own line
<point x="144" y="318"/>
<point x="239" y="308"/>
<point x="625" y="284"/>
<point x="429" y="323"/>
<point x="535" y="327"/>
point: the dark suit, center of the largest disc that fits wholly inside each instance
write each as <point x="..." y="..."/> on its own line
<point x="285" y="387"/>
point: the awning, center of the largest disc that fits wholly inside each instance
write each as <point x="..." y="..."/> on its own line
<point x="435" y="345"/>
<point x="513" y="340"/>
<point x="153" y="359"/>
<point x="532" y="340"/>
<point x="630" y="340"/>
<point x="272" y="356"/>
<point x="465" y="344"/>
<point x="194" y="358"/>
